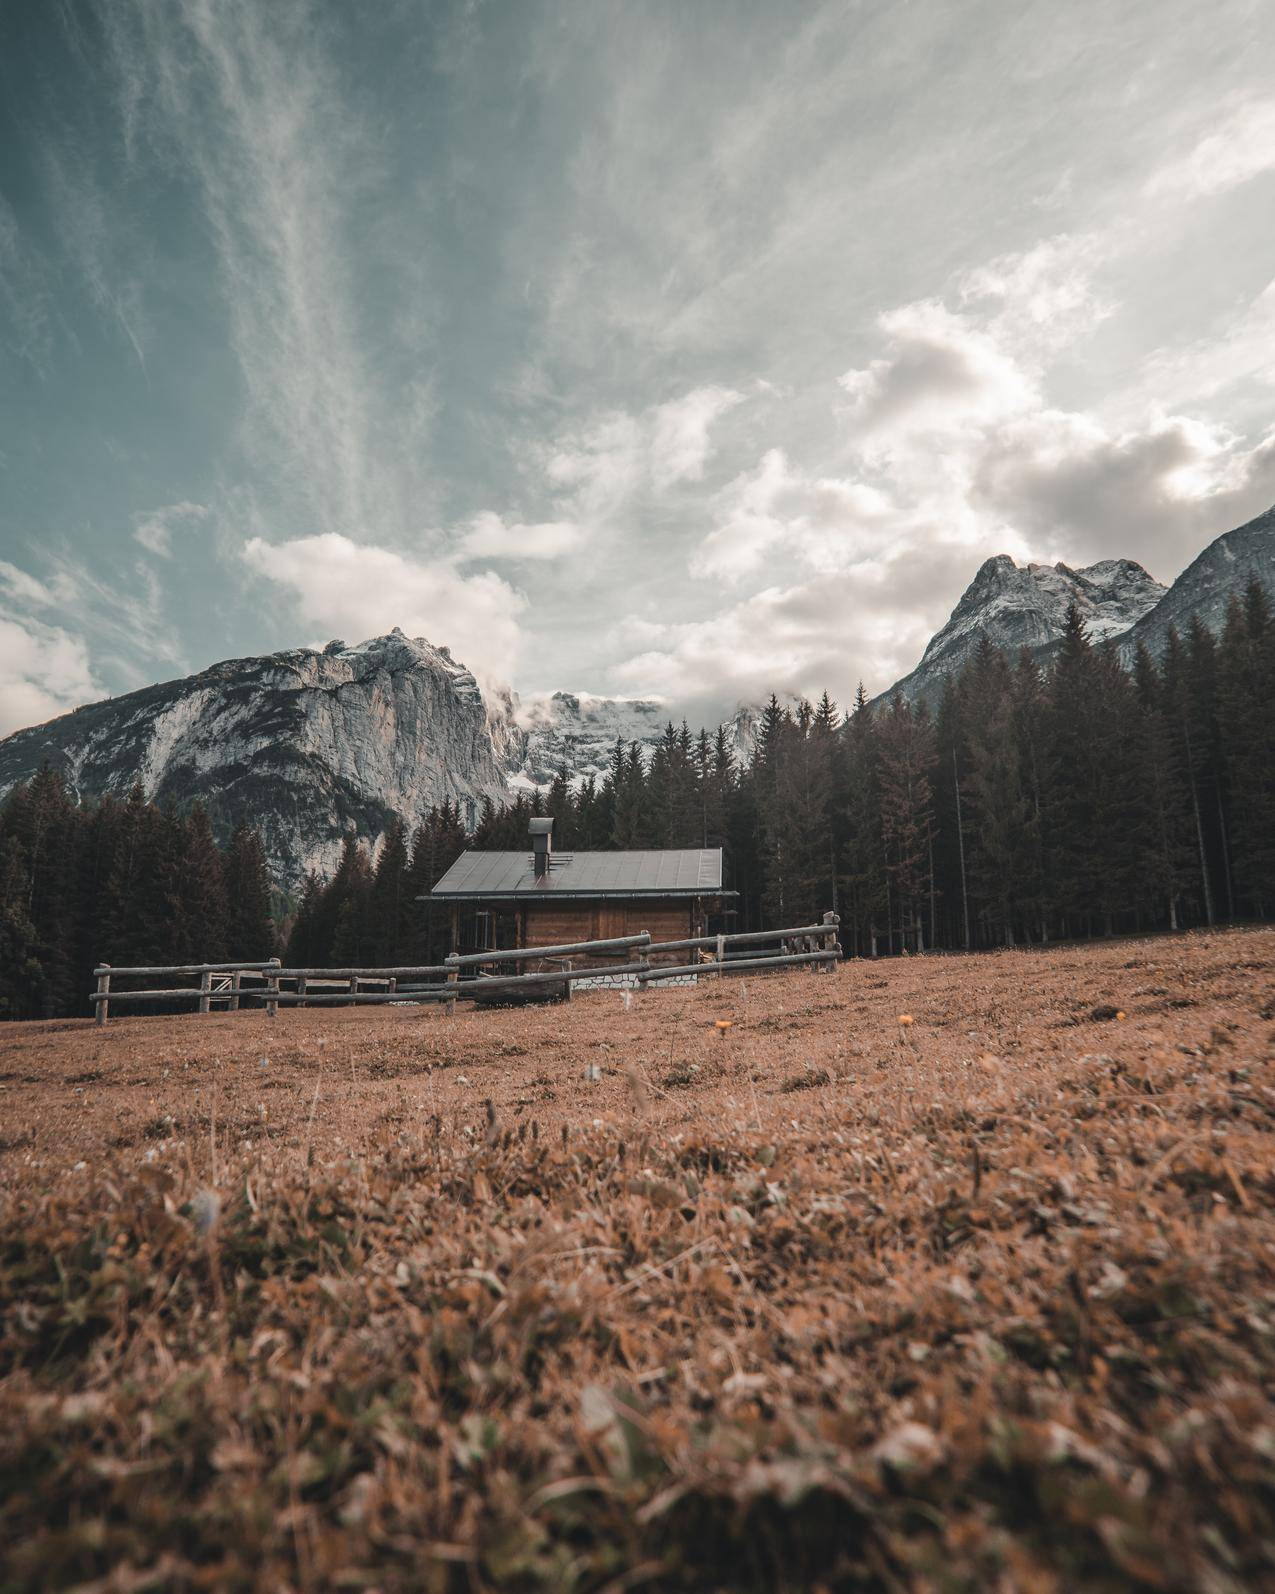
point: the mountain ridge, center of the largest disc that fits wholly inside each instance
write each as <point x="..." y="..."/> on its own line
<point x="1016" y="606"/>
<point x="311" y="743"/>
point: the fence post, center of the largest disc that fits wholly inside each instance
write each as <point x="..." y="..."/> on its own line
<point x="300" y="988"/>
<point x="721" y="954"/>
<point x="453" y="974"/>
<point x="205" y="986"/>
<point x="236" y="980"/>
<point x="354" y="985"/>
<point x="830" y="938"/>
<point x="393" y="985"/>
<point x="272" y="990"/>
<point x="103" y="986"/>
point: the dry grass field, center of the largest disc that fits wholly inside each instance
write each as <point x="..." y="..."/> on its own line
<point x="935" y="1274"/>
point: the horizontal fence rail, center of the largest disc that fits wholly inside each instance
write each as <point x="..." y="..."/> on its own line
<point x="467" y="976"/>
<point x="458" y="990"/>
<point x="744" y="938"/>
<point x="736" y="965"/>
<point x="619" y="943"/>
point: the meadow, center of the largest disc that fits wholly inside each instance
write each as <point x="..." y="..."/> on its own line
<point x="941" y="1273"/>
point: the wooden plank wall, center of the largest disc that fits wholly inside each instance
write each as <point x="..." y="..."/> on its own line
<point x="560" y="923"/>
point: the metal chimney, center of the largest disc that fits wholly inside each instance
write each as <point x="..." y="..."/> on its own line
<point x="541" y="846"/>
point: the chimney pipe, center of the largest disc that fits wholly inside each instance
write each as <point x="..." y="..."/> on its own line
<point x="541" y="846"/>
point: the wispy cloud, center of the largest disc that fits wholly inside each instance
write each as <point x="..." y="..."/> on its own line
<point x="24" y="295"/>
<point x="154" y="529"/>
<point x="107" y="263"/>
<point x="1240" y="148"/>
<point x="251" y="101"/>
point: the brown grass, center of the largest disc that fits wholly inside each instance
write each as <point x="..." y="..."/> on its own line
<point x="387" y="1300"/>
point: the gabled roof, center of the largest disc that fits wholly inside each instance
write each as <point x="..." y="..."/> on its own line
<point x="690" y="872"/>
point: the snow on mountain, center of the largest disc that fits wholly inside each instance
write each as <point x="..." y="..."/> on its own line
<point x="1016" y="606"/>
<point x="575" y="731"/>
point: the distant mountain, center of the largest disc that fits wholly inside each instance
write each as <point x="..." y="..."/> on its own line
<point x="575" y="731"/>
<point x="1207" y="585"/>
<point x="1017" y="606"/>
<point x="1025" y="606"/>
<point x="311" y="744"/>
<point x="306" y="744"/>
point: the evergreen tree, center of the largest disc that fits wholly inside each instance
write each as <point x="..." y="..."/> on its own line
<point x="201" y="909"/>
<point x="250" y="928"/>
<point x="23" y="989"/>
<point x="1246" y="732"/>
<point x="905" y="768"/>
<point x="390" y="903"/>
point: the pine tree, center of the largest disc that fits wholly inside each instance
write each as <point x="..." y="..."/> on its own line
<point x="201" y="907"/>
<point x="906" y="760"/>
<point x="390" y="902"/>
<point x="250" y="928"/>
<point x="304" y="949"/>
<point x="998" y="806"/>
<point x="23" y="991"/>
<point x="865" y="846"/>
<point x="1246" y="733"/>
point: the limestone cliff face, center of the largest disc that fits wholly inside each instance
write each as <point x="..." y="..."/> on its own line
<point x="306" y="744"/>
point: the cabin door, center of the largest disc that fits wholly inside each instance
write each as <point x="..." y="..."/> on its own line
<point x="612" y="921"/>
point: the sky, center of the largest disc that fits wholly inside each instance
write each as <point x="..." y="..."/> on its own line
<point x="643" y="348"/>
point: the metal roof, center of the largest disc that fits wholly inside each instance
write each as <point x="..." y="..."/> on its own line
<point x="691" y="872"/>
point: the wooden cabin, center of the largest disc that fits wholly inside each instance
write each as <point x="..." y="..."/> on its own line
<point x="539" y="897"/>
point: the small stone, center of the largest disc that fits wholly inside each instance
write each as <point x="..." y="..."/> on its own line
<point x="911" y="1447"/>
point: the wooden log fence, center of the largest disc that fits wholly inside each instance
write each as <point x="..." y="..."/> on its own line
<point x="204" y="994"/>
<point x="463" y="976"/>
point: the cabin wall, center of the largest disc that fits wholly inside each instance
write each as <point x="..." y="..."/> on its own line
<point x="558" y="924"/>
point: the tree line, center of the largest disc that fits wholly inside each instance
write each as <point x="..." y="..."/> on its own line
<point x="1030" y="804"/>
<point x="118" y="882"/>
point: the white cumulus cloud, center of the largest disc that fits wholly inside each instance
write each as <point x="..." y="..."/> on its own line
<point x="490" y="536"/>
<point x="359" y="589"/>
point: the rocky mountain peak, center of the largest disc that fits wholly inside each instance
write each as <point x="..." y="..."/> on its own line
<point x="1025" y="606"/>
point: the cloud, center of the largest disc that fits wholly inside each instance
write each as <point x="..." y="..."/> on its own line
<point x="55" y="624"/>
<point x="44" y="669"/>
<point x="823" y="522"/>
<point x="358" y="589"/>
<point x="680" y="433"/>
<point x="796" y="638"/>
<point x="24" y="295"/>
<point x="940" y="372"/>
<point x="247" y="101"/>
<point x="609" y="460"/>
<point x="19" y="587"/>
<point x="154" y="530"/>
<point x="1041" y="300"/>
<point x="1243" y="350"/>
<point x="1240" y="148"/>
<point x="1070" y="486"/>
<point x="491" y="537"/>
<point x="90" y="235"/>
